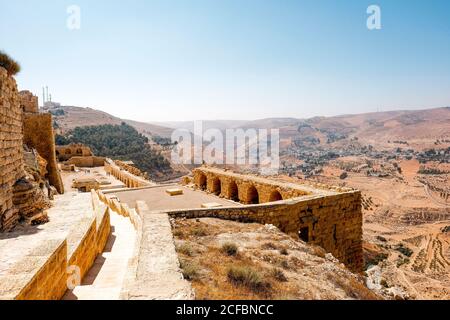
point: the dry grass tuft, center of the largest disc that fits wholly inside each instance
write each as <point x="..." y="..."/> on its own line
<point x="190" y="270"/>
<point x="248" y="277"/>
<point x="11" y="66"/>
<point x="230" y="249"/>
<point x="185" y="249"/>
<point x="199" y="232"/>
<point x="269" y="246"/>
<point x="278" y="275"/>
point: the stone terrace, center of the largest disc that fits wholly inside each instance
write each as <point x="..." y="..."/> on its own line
<point x="157" y="198"/>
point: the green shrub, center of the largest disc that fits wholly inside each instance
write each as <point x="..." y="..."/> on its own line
<point x="248" y="277"/>
<point x="230" y="249"/>
<point x="11" y="66"/>
<point x="119" y="142"/>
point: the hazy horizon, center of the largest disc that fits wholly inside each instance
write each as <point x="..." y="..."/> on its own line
<point x="166" y="61"/>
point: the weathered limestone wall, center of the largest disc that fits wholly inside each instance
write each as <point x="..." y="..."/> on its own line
<point x="251" y="189"/>
<point x="87" y="162"/>
<point x="41" y="275"/>
<point x="129" y="179"/>
<point x="28" y="102"/>
<point x="65" y="153"/>
<point x="330" y="217"/>
<point x="38" y="134"/>
<point x="44" y="273"/>
<point x="11" y="149"/>
<point x="131" y="169"/>
<point x="332" y="222"/>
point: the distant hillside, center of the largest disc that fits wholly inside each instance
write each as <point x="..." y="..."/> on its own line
<point x="420" y="128"/>
<point x="68" y="118"/>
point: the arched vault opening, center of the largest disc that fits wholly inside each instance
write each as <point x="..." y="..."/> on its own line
<point x="252" y="195"/>
<point x="275" y="196"/>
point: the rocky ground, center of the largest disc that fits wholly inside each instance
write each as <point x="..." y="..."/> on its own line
<point x="231" y="260"/>
<point x="406" y="232"/>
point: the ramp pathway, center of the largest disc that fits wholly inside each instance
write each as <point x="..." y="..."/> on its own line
<point x="104" y="280"/>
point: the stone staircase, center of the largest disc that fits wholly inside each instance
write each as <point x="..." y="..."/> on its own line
<point x="104" y="280"/>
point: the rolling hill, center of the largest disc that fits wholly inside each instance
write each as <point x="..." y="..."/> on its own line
<point x="420" y="128"/>
<point x="72" y="117"/>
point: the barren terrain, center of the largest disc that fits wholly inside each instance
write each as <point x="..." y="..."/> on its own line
<point x="232" y="260"/>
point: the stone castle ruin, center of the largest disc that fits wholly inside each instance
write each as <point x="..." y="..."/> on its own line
<point x="26" y="162"/>
<point x="38" y="265"/>
<point x="330" y="217"/>
<point x="79" y="155"/>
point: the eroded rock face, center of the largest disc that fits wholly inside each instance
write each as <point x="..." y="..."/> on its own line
<point x="30" y="200"/>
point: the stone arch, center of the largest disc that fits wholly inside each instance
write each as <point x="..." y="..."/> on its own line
<point x="275" y="195"/>
<point x="216" y="186"/>
<point x="252" y="195"/>
<point x="202" y="181"/>
<point x="68" y="151"/>
<point x="233" y="191"/>
<point x="79" y="151"/>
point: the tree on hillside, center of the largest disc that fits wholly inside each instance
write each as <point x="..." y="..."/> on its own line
<point x="121" y="142"/>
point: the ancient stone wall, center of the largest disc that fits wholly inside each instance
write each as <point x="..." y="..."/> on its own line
<point x="28" y="102"/>
<point x="128" y="178"/>
<point x="330" y="217"/>
<point x="11" y="148"/>
<point x="64" y="153"/>
<point x="131" y="169"/>
<point x="38" y="134"/>
<point x="250" y="189"/>
<point x="87" y="162"/>
<point x="334" y="222"/>
<point x="43" y="274"/>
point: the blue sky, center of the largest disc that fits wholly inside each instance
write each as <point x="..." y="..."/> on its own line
<point x="152" y="60"/>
